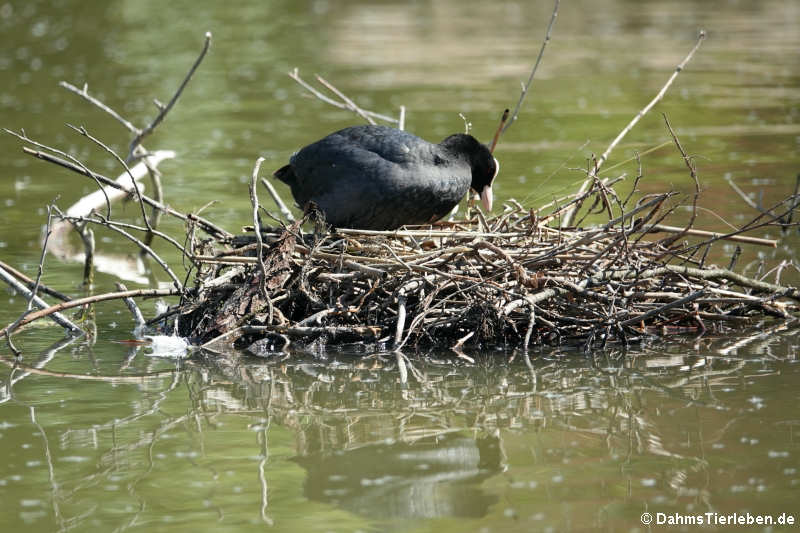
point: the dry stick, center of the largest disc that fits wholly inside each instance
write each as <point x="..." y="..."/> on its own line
<point x="104" y="221"/>
<point x="401" y="322"/>
<point x="55" y="309"/>
<point x="158" y="192"/>
<point x="747" y="227"/>
<point x="138" y="318"/>
<point x="58" y="318"/>
<point x="693" y="172"/>
<point x="115" y="226"/>
<point x="84" y="168"/>
<point x="527" y="85"/>
<point x="164" y="110"/>
<point x="711" y="273"/>
<point x="84" y="93"/>
<point x="87" y="237"/>
<point x="570" y="214"/>
<point x="295" y="75"/>
<point x="350" y="104"/>
<point x="124" y="165"/>
<point x="208" y="226"/>
<point x="677" y="303"/>
<point x="32" y="294"/>
<point x="277" y="199"/>
<point x="294" y="331"/>
<point x="40" y="269"/>
<point x="30" y="283"/>
<point x="262" y="285"/>
<point x="142" y="246"/>
<point x="656" y="228"/>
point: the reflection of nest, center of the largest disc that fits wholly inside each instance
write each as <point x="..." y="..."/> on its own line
<point x="350" y="418"/>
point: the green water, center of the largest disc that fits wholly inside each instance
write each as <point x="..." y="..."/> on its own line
<point x="334" y="441"/>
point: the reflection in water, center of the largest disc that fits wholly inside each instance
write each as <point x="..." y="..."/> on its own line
<point x="343" y="444"/>
<point x="432" y="477"/>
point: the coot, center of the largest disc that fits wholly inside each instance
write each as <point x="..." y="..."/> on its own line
<point x="381" y="178"/>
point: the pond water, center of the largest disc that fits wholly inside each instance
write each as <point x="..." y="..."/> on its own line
<point x="97" y="435"/>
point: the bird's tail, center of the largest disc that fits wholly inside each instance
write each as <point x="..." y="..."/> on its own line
<point x="286" y="175"/>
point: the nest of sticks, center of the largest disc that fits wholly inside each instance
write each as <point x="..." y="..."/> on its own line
<point x="517" y="278"/>
<point x="508" y="279"/>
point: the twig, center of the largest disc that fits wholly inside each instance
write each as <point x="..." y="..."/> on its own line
<point x="84" y="93"/>
<point x="30" y="283"/>
<point x="166" y="109"/>
<point x="55" y="309"/>
<point x="138" y="318"/>
<point x="350" y="104"/>
<point x="295" y="75"/>
<point x="671" y="305"/>
<point x="693" y="172"/>
<point x="262" y="284"/>
<point x="278" y="201"/>
<point x="207" y="226"/>
<point x="122" y="163"/>
<point x="570" y="214"/>
<point x="58" y="318"/>
<point x="527" y="85"/>
<point x="655" y="228"/>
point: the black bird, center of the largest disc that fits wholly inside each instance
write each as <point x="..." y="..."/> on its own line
<point x="381" y="178"/>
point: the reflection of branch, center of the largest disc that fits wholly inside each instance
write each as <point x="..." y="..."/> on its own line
<point x="50" y="469"/>
<point x="126" y="378"/>
<point x="46" y="357"/>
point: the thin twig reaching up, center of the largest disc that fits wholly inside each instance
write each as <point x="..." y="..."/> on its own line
<point x="262" y="284"/>
<point x="350" y="104"/>
<point x="166" y="109"/>
<point x="278" y="200"/>
<point x="527" y="85"/>
<point x="84" y="93"/>
<point x="295" y="75"/>
<point x="693" y="172"/>
<point x="570" y="214"/>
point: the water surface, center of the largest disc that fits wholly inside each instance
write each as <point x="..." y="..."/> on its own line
<point x="336" y="442"/>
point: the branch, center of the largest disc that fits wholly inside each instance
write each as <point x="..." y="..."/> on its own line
<point x="166" y="109"/>
<point x="58" y="318"/>
<point x="569" y="215"/>
<point x="208" y="226"/>
<point x="55" y="309"/>
<point x="295" y="75"/>
<point x="84" y="93"/>
<point x="527" y="85"/>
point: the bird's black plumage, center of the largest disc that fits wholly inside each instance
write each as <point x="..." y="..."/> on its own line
<point x="377" y="177"/>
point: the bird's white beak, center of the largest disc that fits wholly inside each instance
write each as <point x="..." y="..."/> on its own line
<point x="486" y="198"/>
<point x="486" y="193"/>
